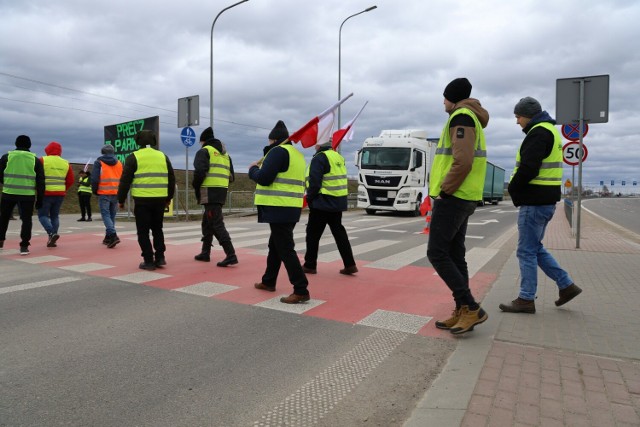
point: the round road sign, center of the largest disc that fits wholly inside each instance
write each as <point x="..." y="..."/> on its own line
<point x="570" y="153"/>
<point x="188" y="136"/>
<point x="572" y="132"/>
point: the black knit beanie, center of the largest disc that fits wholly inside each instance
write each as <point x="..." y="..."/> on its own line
<point x="457" y="90"/>
<point x="206" y="134"/>
<point x="23" y="141"/>
<point x="279" y="132"/>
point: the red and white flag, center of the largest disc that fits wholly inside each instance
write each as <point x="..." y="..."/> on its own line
<point x="319" y="128"/>
<point x="346" y="132"/>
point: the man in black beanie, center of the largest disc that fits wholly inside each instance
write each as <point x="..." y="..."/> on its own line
<point x="22" y="177"/>
<point x="535" y="187"/>
<point x="279" y="193"/>
<point x="456" y="184"/>
<point x="212" y="173"/>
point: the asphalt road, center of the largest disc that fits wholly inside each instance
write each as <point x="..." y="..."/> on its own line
<point x="81" y="348"/>
<point x="624" y="211"/>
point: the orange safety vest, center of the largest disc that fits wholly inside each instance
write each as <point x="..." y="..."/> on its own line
<point x="109" y="178"/>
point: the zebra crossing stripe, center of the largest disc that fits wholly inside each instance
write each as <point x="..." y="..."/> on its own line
<point x="34" y="285"/>
<point x="402" y="259"/>
<point x="357" y="250"/>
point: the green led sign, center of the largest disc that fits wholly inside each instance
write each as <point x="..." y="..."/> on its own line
<point x="122" y="135"/>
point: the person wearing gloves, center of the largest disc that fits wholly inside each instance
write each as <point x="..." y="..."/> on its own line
<point x="456" y="185"/>
<point x="22" y="177"/>
<point x="279" y="194"/>
<point x="148" y="173"/>
<point x="212" y="173"/>
<point x="107" y="170"/>
<point x="535" y="186"/>
<point x="58" y="178"/>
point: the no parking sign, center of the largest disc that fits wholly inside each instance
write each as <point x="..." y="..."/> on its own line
<point x="572" y="132"/>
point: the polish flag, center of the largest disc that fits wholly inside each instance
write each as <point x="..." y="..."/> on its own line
<point x="345" y="133"/>
<point x="319" y="128"/>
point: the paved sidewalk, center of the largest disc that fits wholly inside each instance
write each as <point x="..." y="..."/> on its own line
<point x="574" y="365"/>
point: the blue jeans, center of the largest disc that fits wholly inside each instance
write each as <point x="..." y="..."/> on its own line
<point x="108" y="205"/>
<point x="532" y="223"/>
<point x="49" y="213"/>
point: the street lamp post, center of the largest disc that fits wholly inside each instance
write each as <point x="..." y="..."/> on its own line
<point x="340" y="52"/>
<point x="211" y="63"/>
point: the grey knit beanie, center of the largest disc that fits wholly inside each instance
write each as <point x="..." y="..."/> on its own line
<point x="107" y="149"/>
<point x="527" y="107"/>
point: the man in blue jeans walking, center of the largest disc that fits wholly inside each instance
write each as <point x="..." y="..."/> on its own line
<point x="535" y="187"/>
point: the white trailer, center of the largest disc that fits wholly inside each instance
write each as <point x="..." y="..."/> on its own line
<point x="393" y="171"/>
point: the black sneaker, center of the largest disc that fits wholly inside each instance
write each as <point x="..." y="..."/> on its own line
<point x="1" y="244"/>
<point x="24" y="250"/>
<point x="113" y="241"/>
<point x="81" y="220"/>
<point x="147" y="266"/>
<point x="160" y="262"/>
<point x="53" y="238"/>
<point x="89" y="219"/>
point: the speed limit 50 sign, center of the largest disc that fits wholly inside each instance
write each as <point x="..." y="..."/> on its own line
<point x="571" y="153"/>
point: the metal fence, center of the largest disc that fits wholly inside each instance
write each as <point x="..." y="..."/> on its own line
<point x="237" y="202"/>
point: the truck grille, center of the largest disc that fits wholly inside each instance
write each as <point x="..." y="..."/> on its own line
<point x="383" y="181"/>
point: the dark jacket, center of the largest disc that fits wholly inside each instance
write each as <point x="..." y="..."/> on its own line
<point x="128" y="171"/>
<point x="206" y="195"/>
<point x="535" y="147"/>
<point x="109" y="159"/>
<point x="277" y="161"/>
<point x="39" y="170"/>
<point x="318" y="167"/>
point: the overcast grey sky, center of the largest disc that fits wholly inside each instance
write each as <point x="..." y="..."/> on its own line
<point x="70" y="67"/>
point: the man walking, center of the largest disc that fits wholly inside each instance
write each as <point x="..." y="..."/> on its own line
<point x="535" y="187"/>
<point x="22" y="178"/>
<point x="58" y="178"/>
<point x="279" y="194"/>
<point x="456" y="184"/>
<point x="149" y="175"/>
<point x="327" y="198"/>
<point x="213" y="170"/>
<point x="107" y="170"/>
<point x="84" y="195"/>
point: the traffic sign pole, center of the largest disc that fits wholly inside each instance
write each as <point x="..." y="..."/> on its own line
<point x="188" y="137"/>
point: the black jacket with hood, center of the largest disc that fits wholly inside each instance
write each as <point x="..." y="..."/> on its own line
<point x="206" y="195"/>
<point x="535" y="147"/>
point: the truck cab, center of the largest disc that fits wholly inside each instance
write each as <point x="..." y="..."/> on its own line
<point x="393" y="171"/>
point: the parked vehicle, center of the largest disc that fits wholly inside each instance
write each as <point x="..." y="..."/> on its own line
<point x="394" y="171"/>
<point x="493" y="185"/>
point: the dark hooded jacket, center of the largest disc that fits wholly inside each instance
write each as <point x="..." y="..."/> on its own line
<point x="535" y="147"/>
<point x="318" y="167"/>
<point x="277" y="161"/>
<point x="206" y="195"/>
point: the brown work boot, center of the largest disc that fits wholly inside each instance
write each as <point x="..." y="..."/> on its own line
<point x="468" y="320"/>
<point x="295" y="299"/>
<point x="450" y="322"/>
<point x="567" y="294"/>
<point x="264" y="287"/>
<point x="519" y="305"/>
<point x="349" y="270"/>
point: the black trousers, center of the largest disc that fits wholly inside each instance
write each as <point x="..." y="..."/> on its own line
<point x="213" y="225"/>
<point x="150" y="217"/>
<point x="25" y="208"/>
<point x="446" y="249"/>
<point x="85" y="204"/>
<point x="316" y="224"/>
<point x="282" y="251"/>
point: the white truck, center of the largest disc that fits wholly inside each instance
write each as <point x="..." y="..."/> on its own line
<point x="393" y="171"/>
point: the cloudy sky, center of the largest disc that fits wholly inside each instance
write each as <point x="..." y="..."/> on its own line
<point x="70" y="67"/>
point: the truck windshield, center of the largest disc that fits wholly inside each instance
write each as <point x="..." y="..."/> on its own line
<point x="385" y="158"/>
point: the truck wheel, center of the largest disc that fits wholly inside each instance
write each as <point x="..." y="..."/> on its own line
<point x="370" y="211"/>
<point x="416" y="211"/>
